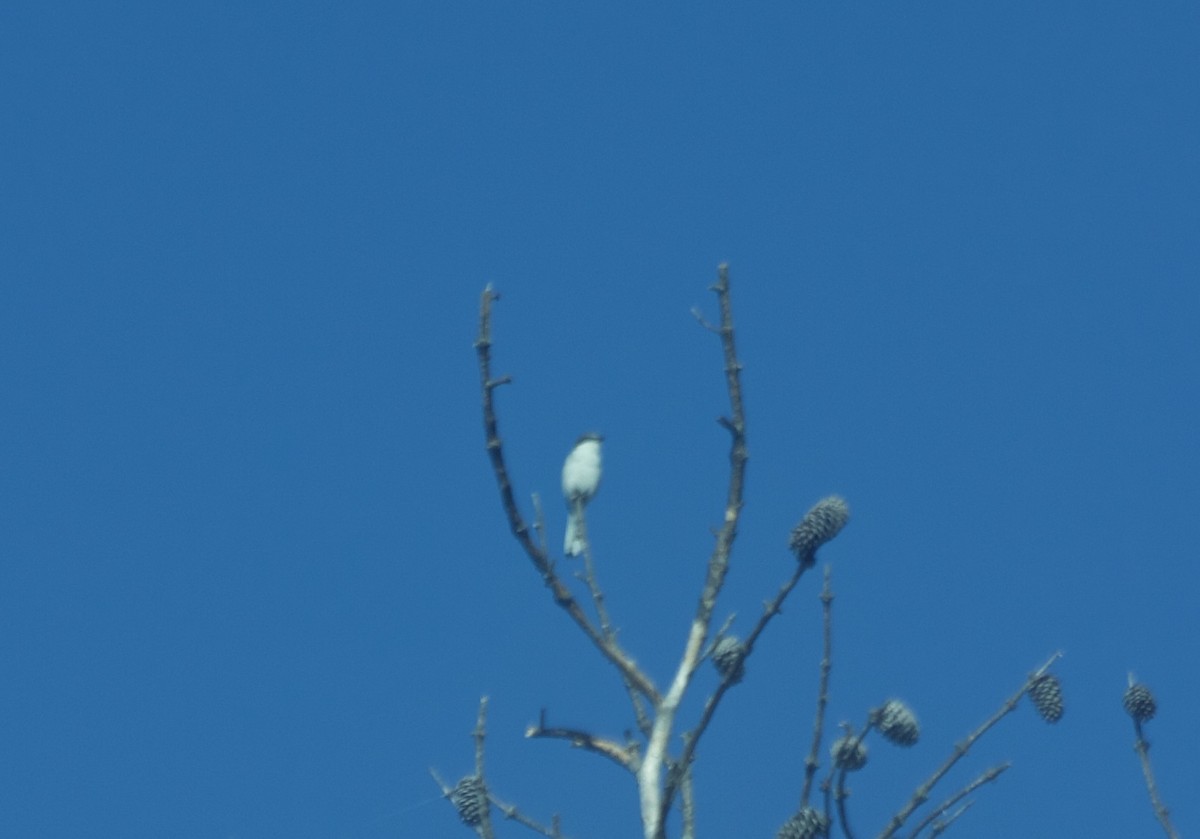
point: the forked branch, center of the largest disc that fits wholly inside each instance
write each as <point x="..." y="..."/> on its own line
<point x="606" y="644"/>
<point x="473" y="800"/>
<point x="655" y="802"/>
<point x="938" y="818"/>
<point x="921" y="795"/>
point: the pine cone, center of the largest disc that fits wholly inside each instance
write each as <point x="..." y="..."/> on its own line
<point x="849" y="753"/>
<point x="806" y="824"/>
<point x="728" y="657"/>
<point x="820" y="524"/>
<point x="470" y="799"/>
<point x="1046" y="695"/>
<point x="897" y="723"/>
<point x="1139" y="703"/>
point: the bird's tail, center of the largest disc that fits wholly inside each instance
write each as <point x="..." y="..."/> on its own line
<point x="573" y="543"/>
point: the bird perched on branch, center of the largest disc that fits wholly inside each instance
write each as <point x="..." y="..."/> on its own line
<point x="580" y="479"/>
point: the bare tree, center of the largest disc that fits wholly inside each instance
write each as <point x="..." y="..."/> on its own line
<point x="660" y="763"/>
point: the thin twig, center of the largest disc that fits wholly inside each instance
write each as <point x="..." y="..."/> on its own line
<point x="480" y="736"/>
<point x="812" y="762"/>
<point x="539" y="523"/>
<point x="942" y="825"/>
<point x="513" y="814"/>
<point x="606" y="628"/>
<point x="699" y="316"/>
<point x="484" y="828"/>
<point x="718" y="635"/>
<point x="921" y="795"/>
<point x="655" y="803"/>
<point x="537" y="554"/>
<point x="840" y="793"/>
<point x="986" y="777"/>
<point x="447" y="790"/>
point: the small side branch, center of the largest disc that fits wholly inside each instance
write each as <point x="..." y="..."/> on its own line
<point x="606" y="628"/>
<point x="473" y="800"/>
<point x="770" y="610"/>
<point x="619" y="754"/>
<point x="921" y="795"/>
<point x="470" y="796"/>
<point x="554" y="831"/>
<point x="521" y="530"/>
<point x="942" y="825"/>
<point x="479" y="735"/>
<point x="939" y="813"/>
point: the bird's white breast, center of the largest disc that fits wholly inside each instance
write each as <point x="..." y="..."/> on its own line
<point x="581" y="472"/>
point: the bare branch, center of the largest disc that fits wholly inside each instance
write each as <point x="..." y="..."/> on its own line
<point x="770" y="610"/>
<point x="513" y="814"/>
<point x="687" y="805"/>
<point x="812" y="762"/>
<point x="942" y="825"/>
<point x="700" y="319"/>
<point x="840" y="793"/>
<point x="719" y="634"/>
<point x="921" y="795"/>
<point x="539" y="522"/>
<point x="579" y="739"/>
<point x="987" y="777"/>
<point x="537" y="553"/>
<point x="654" y="803"/>
<point x="606" y="628"/>
<point x="470" y="808"/>
<point x="840" y="796"/>
<point x="718" y="563"/>
<point x="1140" y="705"/>
<point x="470" y="795"/>
<point x="480" y="736"/>
<point x="1142" y="747"/>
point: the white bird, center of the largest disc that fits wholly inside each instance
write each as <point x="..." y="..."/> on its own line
<point x="580" y="480"/>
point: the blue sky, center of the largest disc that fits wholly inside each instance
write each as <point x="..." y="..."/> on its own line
<point x="254" y="576"/>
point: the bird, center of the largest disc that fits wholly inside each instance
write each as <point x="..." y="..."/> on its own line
<point x="580" y="480"/>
